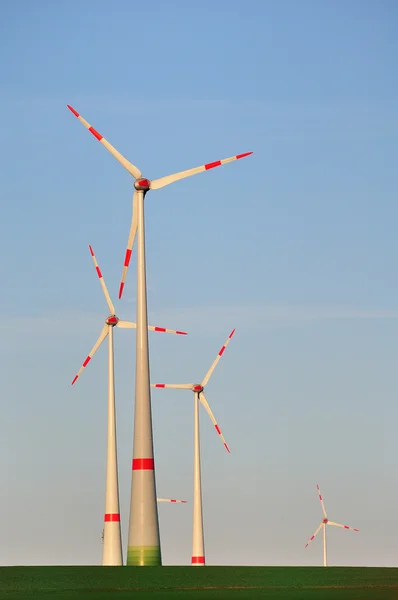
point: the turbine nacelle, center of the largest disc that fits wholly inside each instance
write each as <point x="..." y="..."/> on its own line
<point x="142" y="184"/>
<point x="197" y="388"/>
<point x="112" y="320"/>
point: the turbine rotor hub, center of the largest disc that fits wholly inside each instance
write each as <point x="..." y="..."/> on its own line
<point x="197" y="388"/>
<point x="325" y="520"/>
<point x="142" y="184"/>
<point x="112" y="320"/>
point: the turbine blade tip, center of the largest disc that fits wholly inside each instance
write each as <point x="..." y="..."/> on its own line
<point x="121" y="290"/>
<point x="91" y="250"/>
<point x="181" y="333"/>
<point x="73" y="110"/>
<point x="232" y="333"/>
<point x="75" y="379"/>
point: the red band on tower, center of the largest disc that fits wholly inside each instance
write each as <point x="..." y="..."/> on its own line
<point x="143" y="464"/>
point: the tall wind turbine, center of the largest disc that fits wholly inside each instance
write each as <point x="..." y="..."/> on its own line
<point x="112" y="546"/>
<point x="144" y="541"/>
<point x="198" y="546"/>
<point x="322" y="525"/>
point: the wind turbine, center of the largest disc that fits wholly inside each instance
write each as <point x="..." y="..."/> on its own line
<point x="112" y="547"/>
<point x="198" y="547"/>
<point x="143" y="541"/>
<point x="323" y="524"/>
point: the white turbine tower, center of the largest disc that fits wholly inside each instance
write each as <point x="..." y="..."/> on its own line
<point x="198" y="546"/>
<point x="144" y="541"/>
<point x="112" y="547"/>
<point x="323" y="524"/>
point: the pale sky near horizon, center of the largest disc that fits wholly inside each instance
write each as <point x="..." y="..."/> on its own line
<point x="295" y="246"/>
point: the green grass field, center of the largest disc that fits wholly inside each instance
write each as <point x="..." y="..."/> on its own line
<point x="273" y="583"/>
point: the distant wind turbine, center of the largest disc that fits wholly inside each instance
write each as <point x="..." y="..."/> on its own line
<point x="323" y="524"/>
<point x="198" y="546"/>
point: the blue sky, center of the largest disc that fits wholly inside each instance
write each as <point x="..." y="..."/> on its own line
<point x="295" y="246"/>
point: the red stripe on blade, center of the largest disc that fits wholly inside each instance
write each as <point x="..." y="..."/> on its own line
<point x="96" y="134"/>
<point x="86" y="361"/>
<point x="221" y="351"/>
<point x="161" y="385"/>
<point x="232" y="333"/>
<point x="160" y="329"/>
<point x="143" y="464"/>
<point x="217" y="429"/>
<point x="91" y="251"/>
<point x="121" y="290"/>
<point x="127" y="258"/>
<point x="76" y="377"/>
<point x="213" y="164"/>
<point x="198" y="560"/>
<point x="98" y="272"/>
<point x="73" y="110"/>
<point x="181" y="333"/>
<point x="243" y="155"/>
<point x="115" y="517"/>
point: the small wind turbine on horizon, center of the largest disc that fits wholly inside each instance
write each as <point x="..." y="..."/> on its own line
<point x="323" y="524"/>
<point x="112" y="544"/>
<point x="198" y="547"/>
<point x="143" y="540"/>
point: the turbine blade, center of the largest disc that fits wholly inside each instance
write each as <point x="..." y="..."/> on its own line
<point x="213" y="366"/>
<point x="163" y="330"/>
<point x="169" y="500"/>
<point x="321" y="500"/>
<point x="203" y="400"/>
<point x="103" y="335"/>
<point x="126" y="325"/>
<point x="130" y="244"/>
<point x="175" y="386"/>
<point x="131" y="325"/>
<point x="343" y="526"/>
<point x="311" y="538"/>
<point x="155" y="184"/>
<point x="102" y="282"/>
<point x="132" y="169"/>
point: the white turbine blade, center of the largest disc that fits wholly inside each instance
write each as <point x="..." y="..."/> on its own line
<point x="155" y="184"/>
<point x="130" y="244"/>
<point x="131" y="325"/>
<point x="94" y="349"/>
<point x="203" y="400"/>
<point x="170" y="500"/>
<point x="132" y="169"/>
<point x="102" y="282"/>
<point x="219" y="355"/>
<point x="343" y="526"/>
<point x="311" y="538"/>
<point x="126" y="325"/>
<point x="163" y="330"/>
<point x="321" y="500"/>
<point x="175" y="386"/>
